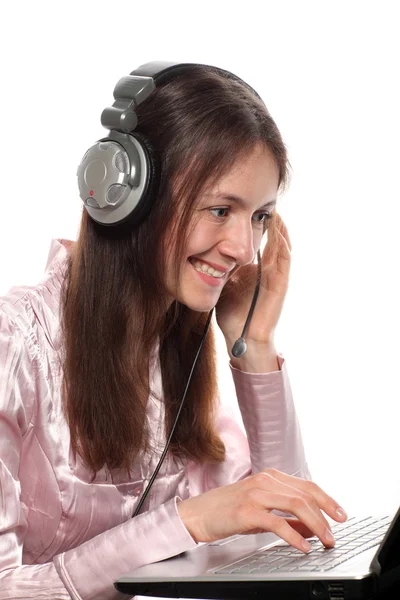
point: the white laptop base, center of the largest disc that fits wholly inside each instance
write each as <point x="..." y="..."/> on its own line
<point x="254" y="565"/>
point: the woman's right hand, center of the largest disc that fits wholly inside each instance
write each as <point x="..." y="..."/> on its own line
<point x="245" y="507"/>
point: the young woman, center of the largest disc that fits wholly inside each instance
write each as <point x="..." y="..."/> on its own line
<point x="94" y="361"/>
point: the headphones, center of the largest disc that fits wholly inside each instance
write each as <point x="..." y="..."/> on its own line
<point x="118" y="176"/>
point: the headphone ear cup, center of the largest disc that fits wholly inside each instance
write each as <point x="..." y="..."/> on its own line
<point x="152" y="184"/>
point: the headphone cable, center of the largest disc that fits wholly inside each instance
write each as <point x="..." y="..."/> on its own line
<point x="156" y="470"/>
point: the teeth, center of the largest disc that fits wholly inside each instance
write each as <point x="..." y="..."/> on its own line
<point x="203" y="268"/>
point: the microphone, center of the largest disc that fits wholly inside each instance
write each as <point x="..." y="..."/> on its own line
<point x="240" y="347"/>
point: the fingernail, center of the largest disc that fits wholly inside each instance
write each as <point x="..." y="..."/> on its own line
<point x="329" y="537"/>
<point x="306" y="545"/>
<point x="340" y="513"/>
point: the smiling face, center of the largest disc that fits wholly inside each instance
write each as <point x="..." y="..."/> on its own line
<point x="229" y="224"/>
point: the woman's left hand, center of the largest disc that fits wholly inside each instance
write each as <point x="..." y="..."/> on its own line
<point x="234" y="304"/>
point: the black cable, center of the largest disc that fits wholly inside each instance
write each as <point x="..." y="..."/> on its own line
<point x="145" y="493"/>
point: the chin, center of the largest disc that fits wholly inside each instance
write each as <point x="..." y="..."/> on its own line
<point x="199" y="308"/>
<point x="198" y="304"/>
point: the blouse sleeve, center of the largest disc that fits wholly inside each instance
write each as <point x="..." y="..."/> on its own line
<point x="273" y="433"/>
<point x="88" y="571"/>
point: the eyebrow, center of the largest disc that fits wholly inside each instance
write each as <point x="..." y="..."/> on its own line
<point x="239" y="200"/>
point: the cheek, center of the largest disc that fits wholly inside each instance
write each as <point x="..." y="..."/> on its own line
<point x="199" y="240"/>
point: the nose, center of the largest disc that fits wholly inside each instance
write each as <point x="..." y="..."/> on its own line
<point x="237" y="242"/>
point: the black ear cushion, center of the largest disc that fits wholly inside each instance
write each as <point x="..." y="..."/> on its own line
<point x="152" y="184"/>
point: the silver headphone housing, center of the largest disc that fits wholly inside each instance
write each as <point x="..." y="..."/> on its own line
<point x="112" y="177"/>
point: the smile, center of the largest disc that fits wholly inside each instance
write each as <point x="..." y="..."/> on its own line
<point x="204" y="268"/>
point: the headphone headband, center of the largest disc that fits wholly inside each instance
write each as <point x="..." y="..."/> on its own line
<point x="164" y="71"/>
<point x="135" y="88"/>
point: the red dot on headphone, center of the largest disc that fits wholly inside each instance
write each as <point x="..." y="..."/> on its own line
<point x="91" y="192"/>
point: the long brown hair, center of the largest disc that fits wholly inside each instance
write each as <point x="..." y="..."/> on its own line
<point x="115" y="308"/>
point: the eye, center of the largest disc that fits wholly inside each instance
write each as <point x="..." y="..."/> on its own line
<point x="257" y="217"/>
<point x="262" y="218"/>
<point x="223" y="209"/>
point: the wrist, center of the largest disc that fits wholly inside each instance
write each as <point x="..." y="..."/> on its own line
<point x="258" y="358"/>
<point x="187" y="517"/>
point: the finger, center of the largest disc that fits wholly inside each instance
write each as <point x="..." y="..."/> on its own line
<point x="271" y="483"/>
<point x="324" y="501"/>
<point x="271" y="247"/>
<point x="299" y="527"/>
<point x="283" y="230"/>
<point x="280" y="526"/>
<point x="283" y="256"/>
<point x="284" y="248"/>
<point x="297" y="506"/>
<point x="278" y="250"/>
<point x="278" y="245"/>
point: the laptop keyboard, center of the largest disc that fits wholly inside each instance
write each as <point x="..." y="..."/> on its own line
<point x="352" y="538"/>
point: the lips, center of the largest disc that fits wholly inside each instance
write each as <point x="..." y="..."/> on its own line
<point x="211" y="264"/>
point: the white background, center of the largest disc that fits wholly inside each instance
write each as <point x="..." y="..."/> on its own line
<point x="328" y="72"/>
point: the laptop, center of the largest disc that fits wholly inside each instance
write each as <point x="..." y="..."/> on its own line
<point x="365" y="560"/>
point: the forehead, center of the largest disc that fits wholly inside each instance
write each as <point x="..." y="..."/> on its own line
<point x="253" y="179"/>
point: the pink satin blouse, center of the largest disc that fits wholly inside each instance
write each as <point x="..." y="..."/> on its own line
<point x="64" y="536"/>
